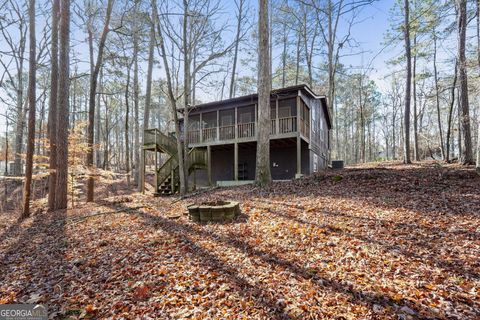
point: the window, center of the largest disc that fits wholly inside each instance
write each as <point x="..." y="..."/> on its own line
<point x="315" y="163"/>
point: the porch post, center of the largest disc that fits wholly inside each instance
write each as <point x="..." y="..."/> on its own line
<point x="299" y="140"/>
<point x="200" y="129"/>
<point x="236" y="123"/>
<point x="156" y="169"/>
<point x="299" y="155"/>
<point x="209" y="165"/>
<point x="218" y="125"/>
<point x="277" y="125"/>
<point x="194" y="179"/>
<point x="144" y="171"/>
<point x="235" y="161"/>
<point x="299" y="130"/>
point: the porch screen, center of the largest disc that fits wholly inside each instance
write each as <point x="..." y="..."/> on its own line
<point x="227" y="124"/>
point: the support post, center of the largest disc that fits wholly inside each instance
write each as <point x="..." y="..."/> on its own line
<point x="201" y="129"/>
<point x="218" y="125"/>
<point x="209" y="165"/>
<point x="156" y="168"/>
<point x="235" y="161"/>
<point x="299" y="156"/>
<point x="277" y="125"/>
<point x="236" y="123"/>
<point x="194" y="179"/>
<point x="144" y="171"/>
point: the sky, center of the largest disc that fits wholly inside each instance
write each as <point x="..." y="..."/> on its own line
<point x="369" y="33"/>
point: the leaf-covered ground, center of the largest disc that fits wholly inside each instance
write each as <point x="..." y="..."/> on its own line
<point x="373" y="242"/>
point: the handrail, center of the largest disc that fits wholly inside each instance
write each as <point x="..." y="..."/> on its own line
<point x="167" y="143"/>
<point x="196" y="158"/>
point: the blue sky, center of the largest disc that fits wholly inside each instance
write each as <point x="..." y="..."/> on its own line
<point x="374" y="21"/>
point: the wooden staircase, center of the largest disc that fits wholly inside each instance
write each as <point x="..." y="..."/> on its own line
<point x="167" y="176"/>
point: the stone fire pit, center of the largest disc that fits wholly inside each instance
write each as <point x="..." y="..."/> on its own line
<point x="215" y="211"/>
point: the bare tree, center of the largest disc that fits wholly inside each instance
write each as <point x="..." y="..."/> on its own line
<point x="240" y="20"/>
<point x="91" y="105"/>
<point x="16" y="42"/>
<point x="450" y="112"/>
<point x="61" y="186"/>
<point x="31" y="111"/>
<point x="136" y="92"/>
<point x="148" y="96"/>
<point x="478" y="60"/>
<point x="408" y="56"/>
<point x="263" y="176"/>
<point x="172" y="100"/>
<point x="466" y="156"/>
<point x="52" y="110"/>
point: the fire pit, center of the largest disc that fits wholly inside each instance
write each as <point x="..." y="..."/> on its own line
<point x="215" y="211"/>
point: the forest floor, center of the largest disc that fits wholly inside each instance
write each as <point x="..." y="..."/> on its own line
<point x="378" y="241"/>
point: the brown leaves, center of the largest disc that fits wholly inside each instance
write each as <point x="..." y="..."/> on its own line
<point x="366" y="246"/>
<point x="141" y="292"/>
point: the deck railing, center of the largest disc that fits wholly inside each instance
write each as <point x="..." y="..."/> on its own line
<point x="247" y="130"/>
<point x="194" y="136"/>
<point x="273" y="124"/>
<point x="287" y="125"/>
<point x="227" y="132"/>
<point x="209" y="134"/>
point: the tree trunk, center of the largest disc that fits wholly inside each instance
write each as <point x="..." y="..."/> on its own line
<point x="408" y="55"/>
<point x="187" y="78"/>
<point x="478" y="60"/>
<point x="466" y="156"/>
<point x="148" y="98"/>
<point x="62" y="114"/>
<point x="171" y="99"/>
<point x="127" y="113"/>
<point x="91" y="99"/>
<point x="237" y="41"/>
<point x="98" y="121"/>
<point x="31" y="112"/>
<point x="17" y="167"/>
<point x="416" y="155"/>
<point x="437" y="95"/>
<point x="52" y="110"/>
<point x="450" y="114"/>
<point x="362" y="121"/>
<point x="263" y="176"/>
<point x="136" y="90"/>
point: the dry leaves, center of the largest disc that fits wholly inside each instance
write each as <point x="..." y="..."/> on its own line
<point x="382" y="242"/>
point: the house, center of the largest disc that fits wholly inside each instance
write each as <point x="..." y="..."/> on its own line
<point x="221" y="137"/>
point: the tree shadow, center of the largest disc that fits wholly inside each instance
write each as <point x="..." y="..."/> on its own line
<point x="234" y="240"/>
<point x="418" y="238"/>
<point x="33" y="266"/>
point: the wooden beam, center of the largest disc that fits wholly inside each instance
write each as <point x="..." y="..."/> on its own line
<point x="200" y="129"/>
<point x="299" y="154"/>
<point x="277" y="125"/>
<point x="235" y="161"/>
<point x="209" y="165"/>
<point x="144" y="172"/>
<point x="156" y="168"/>
<point x="218" y="125"/>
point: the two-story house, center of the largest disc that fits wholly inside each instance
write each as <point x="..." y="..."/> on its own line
<point x="222" y="139"/>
